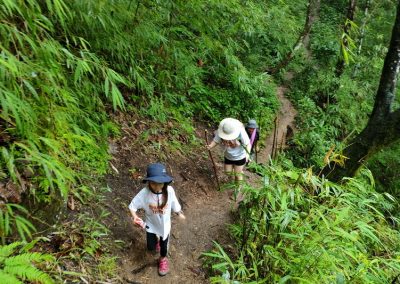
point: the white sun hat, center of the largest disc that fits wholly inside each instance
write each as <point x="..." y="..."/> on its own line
<point x="229" y="128"/>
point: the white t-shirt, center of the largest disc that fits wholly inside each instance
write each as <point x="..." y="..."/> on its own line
<point x="158" y="222"/>
<point x="237" y="152"/>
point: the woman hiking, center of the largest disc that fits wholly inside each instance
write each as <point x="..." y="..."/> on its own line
<point x="235" y="142"/>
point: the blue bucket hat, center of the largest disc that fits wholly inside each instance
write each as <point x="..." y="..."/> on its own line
<point x="157" y="173"/>
<point x="252" y="124"/>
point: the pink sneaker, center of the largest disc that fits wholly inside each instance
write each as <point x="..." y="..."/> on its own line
<point x="163" y="266"/>
<point x="158" y="247"/>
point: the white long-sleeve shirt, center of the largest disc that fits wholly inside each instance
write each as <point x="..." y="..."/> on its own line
<point x="158" y="221"/>
<point x="236" y="152"/>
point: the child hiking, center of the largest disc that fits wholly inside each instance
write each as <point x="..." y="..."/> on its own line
<point x="236" y="145"/>
<point x="254" y="134"/>
<point x="157" y="199"/>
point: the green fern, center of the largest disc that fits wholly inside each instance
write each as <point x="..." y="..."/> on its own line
<point x="25" y="271"/>
<point x="11" y="218"/>
<point x="7" y="250"/>
<point x="7" y="278"/>
<point x="19" y="266"/>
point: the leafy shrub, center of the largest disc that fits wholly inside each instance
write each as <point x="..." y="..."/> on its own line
<point x="299" y="227"/>
<point x="384" y="165"/>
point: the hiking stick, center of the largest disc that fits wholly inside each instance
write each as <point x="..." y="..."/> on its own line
<point x="276" y="137"/>
<point x="282" y="142"/>
<point x="273" y="140"/>
<point x="212" y="159"/>
<point x="255" y="151"/>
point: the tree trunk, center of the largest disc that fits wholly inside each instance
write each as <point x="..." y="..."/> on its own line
<point x="312" y="12"/>
<point x="375" y="136"/>
<point x="346" y="30"/>
<point x="383" y="127"/>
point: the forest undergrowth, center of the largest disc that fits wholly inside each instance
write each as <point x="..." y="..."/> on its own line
<point x="69" y="68"/>
<point x="303" y="228"/>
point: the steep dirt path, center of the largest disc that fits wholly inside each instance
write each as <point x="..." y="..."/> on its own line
<point x="207" y="210"/>
<point x="285" y="126"/>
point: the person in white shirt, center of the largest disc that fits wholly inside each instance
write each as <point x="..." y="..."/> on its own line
<point x="157" y="200"/>
<point x="232" y="135"/>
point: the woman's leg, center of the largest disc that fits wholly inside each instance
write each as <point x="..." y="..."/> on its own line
<point x="228" y="168"/>
<point x="238" y="172"/>
<point x="238" y="195"/>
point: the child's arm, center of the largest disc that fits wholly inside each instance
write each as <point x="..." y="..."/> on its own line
<point x="134" y="215"/>
<point x="135" y="218"/>
<point x="136" y="203"/>
<point x="216" y="140"/>
<point x="137" y="221"/>
<point x="175" y="206"/>
<point x="180" y="215"/>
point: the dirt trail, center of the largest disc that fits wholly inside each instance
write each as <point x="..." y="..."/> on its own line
<point x="207" y="210"/>
<point x="284" y="127"/>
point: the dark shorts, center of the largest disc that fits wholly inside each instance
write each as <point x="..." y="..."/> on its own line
<point x="236" y="163"/>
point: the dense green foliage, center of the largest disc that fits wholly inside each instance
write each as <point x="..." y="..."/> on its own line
<point x="385" y="165"/>
<point x="334" y="109"/>
<point x="179" y="59"/>
<point x="67" y="66"/>
<point x="52" y="114"/>
<point x="61" y="61"/>
<point x="299" y="228"/>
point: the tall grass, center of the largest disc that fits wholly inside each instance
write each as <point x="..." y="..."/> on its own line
<point x="186" y="53"/>
<point x="63" y="62"/>
<point x="51" y="94"/>
<point x="303" y="229"/>
<point x="53" y="121"/>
